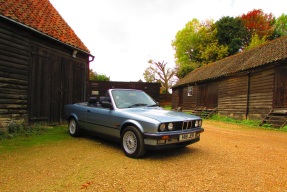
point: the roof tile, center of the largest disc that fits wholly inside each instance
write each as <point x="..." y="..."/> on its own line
<point x="43" y="17"/>
<point x="265" y="54"/>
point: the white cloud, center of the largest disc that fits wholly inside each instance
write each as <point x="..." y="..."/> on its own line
<point x="123" y="35"/>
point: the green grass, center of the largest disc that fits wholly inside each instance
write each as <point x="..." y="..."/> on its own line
<point x="167" y="107"/>
<point x="45" y="136"/>
<point x="246" y="122"/>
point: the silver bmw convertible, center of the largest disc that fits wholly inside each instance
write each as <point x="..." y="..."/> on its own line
<point x="135" y="119"/>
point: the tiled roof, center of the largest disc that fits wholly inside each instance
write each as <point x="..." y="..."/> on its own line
<point x="43" y="17"/>
<point x="265" y="54"/>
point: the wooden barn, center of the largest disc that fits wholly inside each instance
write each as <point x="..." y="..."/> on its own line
<point x="99" y="88"/>
<point x="43" y="64"/>
<point x="248" y="85"/>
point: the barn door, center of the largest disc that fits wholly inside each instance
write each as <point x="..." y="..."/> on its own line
<point x="280" y="88"/>
<point x="55" y="80"/>
<point x="208" y="95"/>
<point x="40" y="86"/>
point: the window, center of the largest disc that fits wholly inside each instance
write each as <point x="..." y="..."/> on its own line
<point x="189" y="90"/>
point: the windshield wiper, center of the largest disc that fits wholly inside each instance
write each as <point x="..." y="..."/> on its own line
<point x="137" y="105"/>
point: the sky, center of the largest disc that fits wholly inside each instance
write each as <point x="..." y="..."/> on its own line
<point x="124" y="35"/>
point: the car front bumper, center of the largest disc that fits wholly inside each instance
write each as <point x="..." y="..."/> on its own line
<point x="172" y="139"/>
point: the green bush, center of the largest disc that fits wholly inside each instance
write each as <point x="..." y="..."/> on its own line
<point x="13" y="129"/>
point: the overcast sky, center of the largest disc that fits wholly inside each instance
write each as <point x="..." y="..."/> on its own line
<point x="124" y="34"/>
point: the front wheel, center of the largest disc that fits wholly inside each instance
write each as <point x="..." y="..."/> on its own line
<point x="132" y="142"/>
<point x="73" y="128"/>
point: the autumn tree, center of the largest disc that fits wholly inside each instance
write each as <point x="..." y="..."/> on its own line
<point x="159" y="72"/>
<point x="258" y="22"/>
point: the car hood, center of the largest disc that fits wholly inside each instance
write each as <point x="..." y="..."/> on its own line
<point x="161" y="114"/>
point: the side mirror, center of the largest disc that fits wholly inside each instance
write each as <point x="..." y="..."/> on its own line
<point x="106" y="104"/>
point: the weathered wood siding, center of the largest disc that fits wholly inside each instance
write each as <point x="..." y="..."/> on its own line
<point x="232" y="97"/>
<point x="38" y="75"/>
<point x="260" y="93"/>
<point x="165" y="100"/>
<point x="175" y="98"/>
<point x="208" y="95"/>
<point x="280" y="87"/>
<point x="190" y="102"/>
<point x="99" y="88"/>
<point x="186" y="102"/>
<point x="55" y="80"/>
<point x="14" y="74"/>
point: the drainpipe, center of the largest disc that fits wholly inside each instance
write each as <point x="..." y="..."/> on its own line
<point x="248" y="96"/>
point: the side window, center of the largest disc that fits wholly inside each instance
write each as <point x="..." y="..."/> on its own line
<point x="107" y="97"/>
<point x="189" y="90"/>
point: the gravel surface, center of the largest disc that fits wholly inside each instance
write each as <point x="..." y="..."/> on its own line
<point x="228" y="158"/>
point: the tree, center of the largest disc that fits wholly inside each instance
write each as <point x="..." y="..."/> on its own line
<point x="158" y="72"/>
<point x="93" y="76"/>
<point x="258" y="22"/>
<point x="102" y="77"/>
<point x="185" y="42"/>
<point x="231" y="32"/>
<point x="255" y="42"/>
<point x="196" y="45"/>
<point x="280" y="26"/>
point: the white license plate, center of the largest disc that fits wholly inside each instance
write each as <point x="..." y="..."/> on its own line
<point x="186" y="136"/>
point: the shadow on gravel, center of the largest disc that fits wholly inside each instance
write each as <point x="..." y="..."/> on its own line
<point x="171" y="153"/>
<point x="151" y="155"/>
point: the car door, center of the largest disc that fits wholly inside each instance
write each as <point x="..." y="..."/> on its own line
<point x="103" y="120"/>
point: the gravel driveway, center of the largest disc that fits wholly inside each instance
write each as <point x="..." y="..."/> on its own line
<point x="228" y="158"/>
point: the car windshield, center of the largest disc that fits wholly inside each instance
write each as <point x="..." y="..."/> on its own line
<point x="132" y="98"/>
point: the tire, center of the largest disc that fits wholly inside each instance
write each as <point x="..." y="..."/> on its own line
<point x="73" y="128"/>
<point x="132" y="142"/>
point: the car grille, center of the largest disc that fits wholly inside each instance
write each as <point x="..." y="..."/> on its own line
<point x="184" y="125"/>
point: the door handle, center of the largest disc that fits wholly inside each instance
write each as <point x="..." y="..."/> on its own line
<point x="88" y="111"/>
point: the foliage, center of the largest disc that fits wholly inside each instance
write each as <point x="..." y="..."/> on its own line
<point x="196" y="45"/>
<point x="231" y="32"/>
<point x="258" y="22"/>
<point x="281" y="26"/>
<point x="247" y="122"/>
<point x="15" y="129"/>
<point x="200" y="43"/>
<point x="93" y="76"/>
<point x="102" y="77"/>
<point x="185" y="42"/>
<point x="183" y="69"/>
<point x="255" y="42"/>
<point x="158" y="72"/>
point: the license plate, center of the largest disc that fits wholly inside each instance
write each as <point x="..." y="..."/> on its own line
<point x="186" y="136"/>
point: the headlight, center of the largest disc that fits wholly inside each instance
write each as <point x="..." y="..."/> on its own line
<point x="170" y="126"/>
<point x="162" y="127"/>
<point x="198" y="123"/>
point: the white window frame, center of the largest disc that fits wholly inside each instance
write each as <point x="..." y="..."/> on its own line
<point x="189" y="91"/>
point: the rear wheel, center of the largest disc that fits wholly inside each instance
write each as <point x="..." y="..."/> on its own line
<point x="73" y="128"/>
<point x="132" y="142"/>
